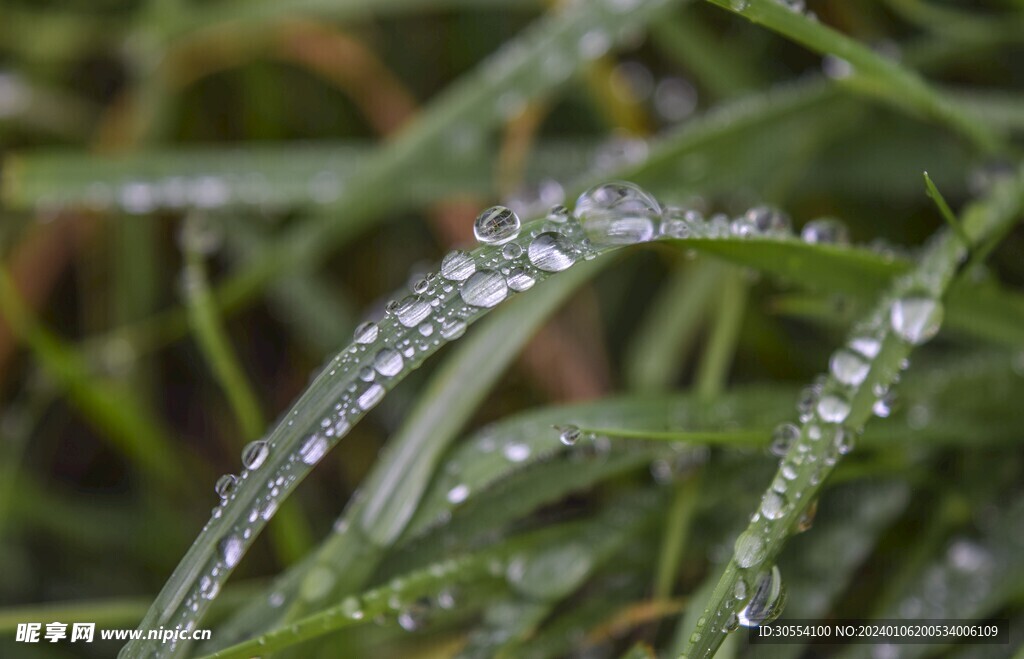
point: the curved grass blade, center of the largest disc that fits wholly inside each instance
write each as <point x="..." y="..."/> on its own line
<point x="544" y="565"/>
<point x="843" y="405"/>
<point x="869" y="72"/>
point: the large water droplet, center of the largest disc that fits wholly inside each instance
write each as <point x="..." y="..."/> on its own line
<point x="783" y="437"/>
<point x="457" y="265"/>
<point x="868" y="346"/>
<point x="516" y="451"/>
<point x="761" y="220"/>
<point x="373" y="395"/>
<point x="825" y="231"/>
<point x="496" y="225"/>
<point x="774" y="505"/>
<point x="617" y="214"/>
<point x="231" y="549"/>
<point x="412" y="310"/>
<point x="520" y="280"/>
<point x="833" y="408"/>
<point x="255" y="453"/>
<point x="366" y="332"/>
<point x="458" y="494"/>
<point x="225" y="485"/>
<point x="766" y="601"/>
<point x="485" y="288"/>
<point x="568" y="435"/>
<point x="749" y="549"/>
<point x="916" y="318"/>
<point x="551" y="252"/>
<point x="314" y="449"/>
<point x="849" y="367"/>
<point x="388" y="362"/>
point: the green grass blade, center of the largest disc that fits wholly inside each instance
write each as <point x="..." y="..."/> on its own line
<point x="810" y="459"/>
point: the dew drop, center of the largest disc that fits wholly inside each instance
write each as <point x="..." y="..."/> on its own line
<point x="774" y="505"/>
<point x="749" y="549"/>
<point x="255" y="453"/>
<point x="766" y="601"/>
<point x="848" y="367"/>
<point x="617" y="214"/>
<point x="825" y="231"/>
<point x="412" y="310"/>
<point x="761" y="220"/>
<point x="516" y="451"/>
<point x="225" y="485"/>
<point x="558" y="213"/>
<point x="739" y="591"/>
<point x="388" y="362"/>
<point x="833" y="408"/>
<point x="783" y="437"/>
<point x="366" y="332"/>
<point x="568" y="435"/>
<point x="916" y="318"/>
<point x="551" y="252"/>
<point x="485" y="288"/>
<point x="883" y="407"/>
<point x="373" y="395"/>
<point x="496" y="225"/>
<point x="868" y="346"/>
<point x="458" y="494"/>
<point x="452" y="329"/>
<point x="314" y="449"/>
<point x="231" y="550"/>
<point x="844" y="441"/>
<point x="457" y="265"/>
<point x="519" y="280"/>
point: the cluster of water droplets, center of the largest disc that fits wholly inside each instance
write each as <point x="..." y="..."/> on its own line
<point x="438" y="307"/>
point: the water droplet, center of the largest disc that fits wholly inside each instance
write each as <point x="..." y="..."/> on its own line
<point x="766" y="601"/>
<point x="485" y="288"/>
<point x="866" y="345"/>
<point x="836" y="67"/>
<point x="844" y="441"/>
<point x="594" y="44"/>
<point x="916" y="318"/>
<point x="617" y="214"/>
<point x="739" y="591"/>
<point x="447" y="598"/>
<point x="412" y="310"/>
<point x="511" y="251"/>
<point x="350" y="608"/>
<point x="558" y="213"/>
<point x="833" y="408"/>
<point x="883" y="407"/>
<point x="675" y="99"/>
<point x="458" y="494"/>
<point x="749" y="549"/>
<point x="761" y="220"/>
<point x="783" y="437"/>
<point x="825" y="231"/>
<point x="848" y="367"/>
<point x="457" y="265"/>
<point x="551" y="252"/>
<point x="774" y="505"/>
<point x="568" y="435"/>
<point x="519" y="280"/>
<point x="255" y="453"/>
<point x="366" y="332"/>
<point x="314" y="449"/>
<point x="496" y="225"/>
<point x="516" y="451"/>
<point x="739" y="5"/>
<point x="373" y="395"/>
<point x="231" y="549"/>
<point x="452" y="329"/>
<point x="388" y="362"/>
<point x="225" y="485"/>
